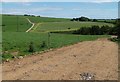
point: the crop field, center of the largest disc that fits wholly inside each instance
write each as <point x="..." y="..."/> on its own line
<point x="61" y="26"/>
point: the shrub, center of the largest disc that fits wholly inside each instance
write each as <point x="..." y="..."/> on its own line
<point x="3" y="25"/>
<point x="31" y="47"/>
<point x="95" y="20"/>
<point x="7" y="56"/>
<point x="69" y="28"/>
<point x="113" y="39"/>
<point x="43" y="44"/>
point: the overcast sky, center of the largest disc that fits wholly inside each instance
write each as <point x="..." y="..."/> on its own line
<point x="58" y="8"/>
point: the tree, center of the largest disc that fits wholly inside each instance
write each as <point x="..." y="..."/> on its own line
<point x="84" y="19"/>
<point x="95" y="30"/>
<point x="105" y="30"/>
<point x="95" y="20"/>
<point x="81" y="19"/>
<point x="26" y="15"/>
<point x="31" y="47"/>
<point x="118" y="28"/>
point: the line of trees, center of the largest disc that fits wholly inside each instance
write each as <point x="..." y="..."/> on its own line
<point x="96" y="30"/>
<point x="81" y="19"/>
<point x="118" y="27"/>
<point x="93" y="20"/>
<point x="31" y="15"/>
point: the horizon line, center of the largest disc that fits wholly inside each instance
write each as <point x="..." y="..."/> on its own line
<point x="54" y="17"/>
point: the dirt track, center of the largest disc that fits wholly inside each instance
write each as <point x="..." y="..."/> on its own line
<point x="99" y="57"/>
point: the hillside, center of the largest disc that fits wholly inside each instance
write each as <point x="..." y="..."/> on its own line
<point x="16" y="42"/>
<point x="63" y="26"/>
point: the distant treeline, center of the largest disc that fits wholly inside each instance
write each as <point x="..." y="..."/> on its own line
<point x="31" y="15"/>
<point x="94" y="20"/>
<point x="118" y="27"/>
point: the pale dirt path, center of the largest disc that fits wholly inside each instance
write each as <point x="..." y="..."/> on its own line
<point x="33" y="24"/>
<point x="99" y="57"/>
<point x="36" y="26"/>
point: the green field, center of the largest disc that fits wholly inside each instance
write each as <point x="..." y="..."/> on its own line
<point x="21" y="40"/>
<point x="14" y="23"/>
<point x="17" y="40"/>
<point x="46" y="19"/>
<point x="61" y="26"/>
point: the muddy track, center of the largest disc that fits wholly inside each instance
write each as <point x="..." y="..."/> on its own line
<point x="99" y="57"/>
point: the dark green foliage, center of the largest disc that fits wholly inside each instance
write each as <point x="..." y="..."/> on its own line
<point x="95" y="20"/>
<point x="3" y="25"/>
<point x="105" y="30"/>
<point x="84" y="19"/>
<point x="81" y="19"/>
<point x="38" y="16"/>
<point x="94" y="30"/>
<point x="7" y="56"/>
<point x="118" y="28"/>
<point x="43" y="44"/>
<point x="31" y="47"/>
<point x="113" y="39"/>
<point x="69" y="28"/>
<point x="83" y="31"/>
<point x="26" y="15"/>
<point x="113" y="31"/>
<point x="29" y="15"/>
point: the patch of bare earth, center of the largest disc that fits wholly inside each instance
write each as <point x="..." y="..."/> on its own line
<point x="67" y="63"/>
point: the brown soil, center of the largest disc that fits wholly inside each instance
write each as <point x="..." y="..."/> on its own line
<point x="67" y="63"/>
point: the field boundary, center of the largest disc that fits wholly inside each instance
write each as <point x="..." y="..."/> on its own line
<point x="33" y="24"/>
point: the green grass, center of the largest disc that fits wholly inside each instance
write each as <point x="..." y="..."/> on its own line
<point x="13" y="41"/>
<point x="10" y="24"/>
<point x="107" y="20"/>
<point x="46" y="19"/>
<point x="62" y="26"/>
<point x="20" y="42"/>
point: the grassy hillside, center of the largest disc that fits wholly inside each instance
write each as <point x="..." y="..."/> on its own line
<point x="12" y="23"/>
<point x="16" y="41"/>
<point x="46" y="19"/>
<point x="58" y="26"/>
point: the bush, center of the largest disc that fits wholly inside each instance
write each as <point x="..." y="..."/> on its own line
<point x="7" y="56"/>
<point x="26" y="15"/>
<point x="69" y="28"/>
<point x="31" y="47"/>
<point x="43" y="44"/>
<point x="95" y="20"/>
<point x="3" y="25"/>
<point x="96" y="30"/>
<point x="113" y="39"/>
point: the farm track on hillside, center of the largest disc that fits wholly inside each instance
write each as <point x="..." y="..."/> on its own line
<point x="66" y="63"/>
<point x="33" y="24"/>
